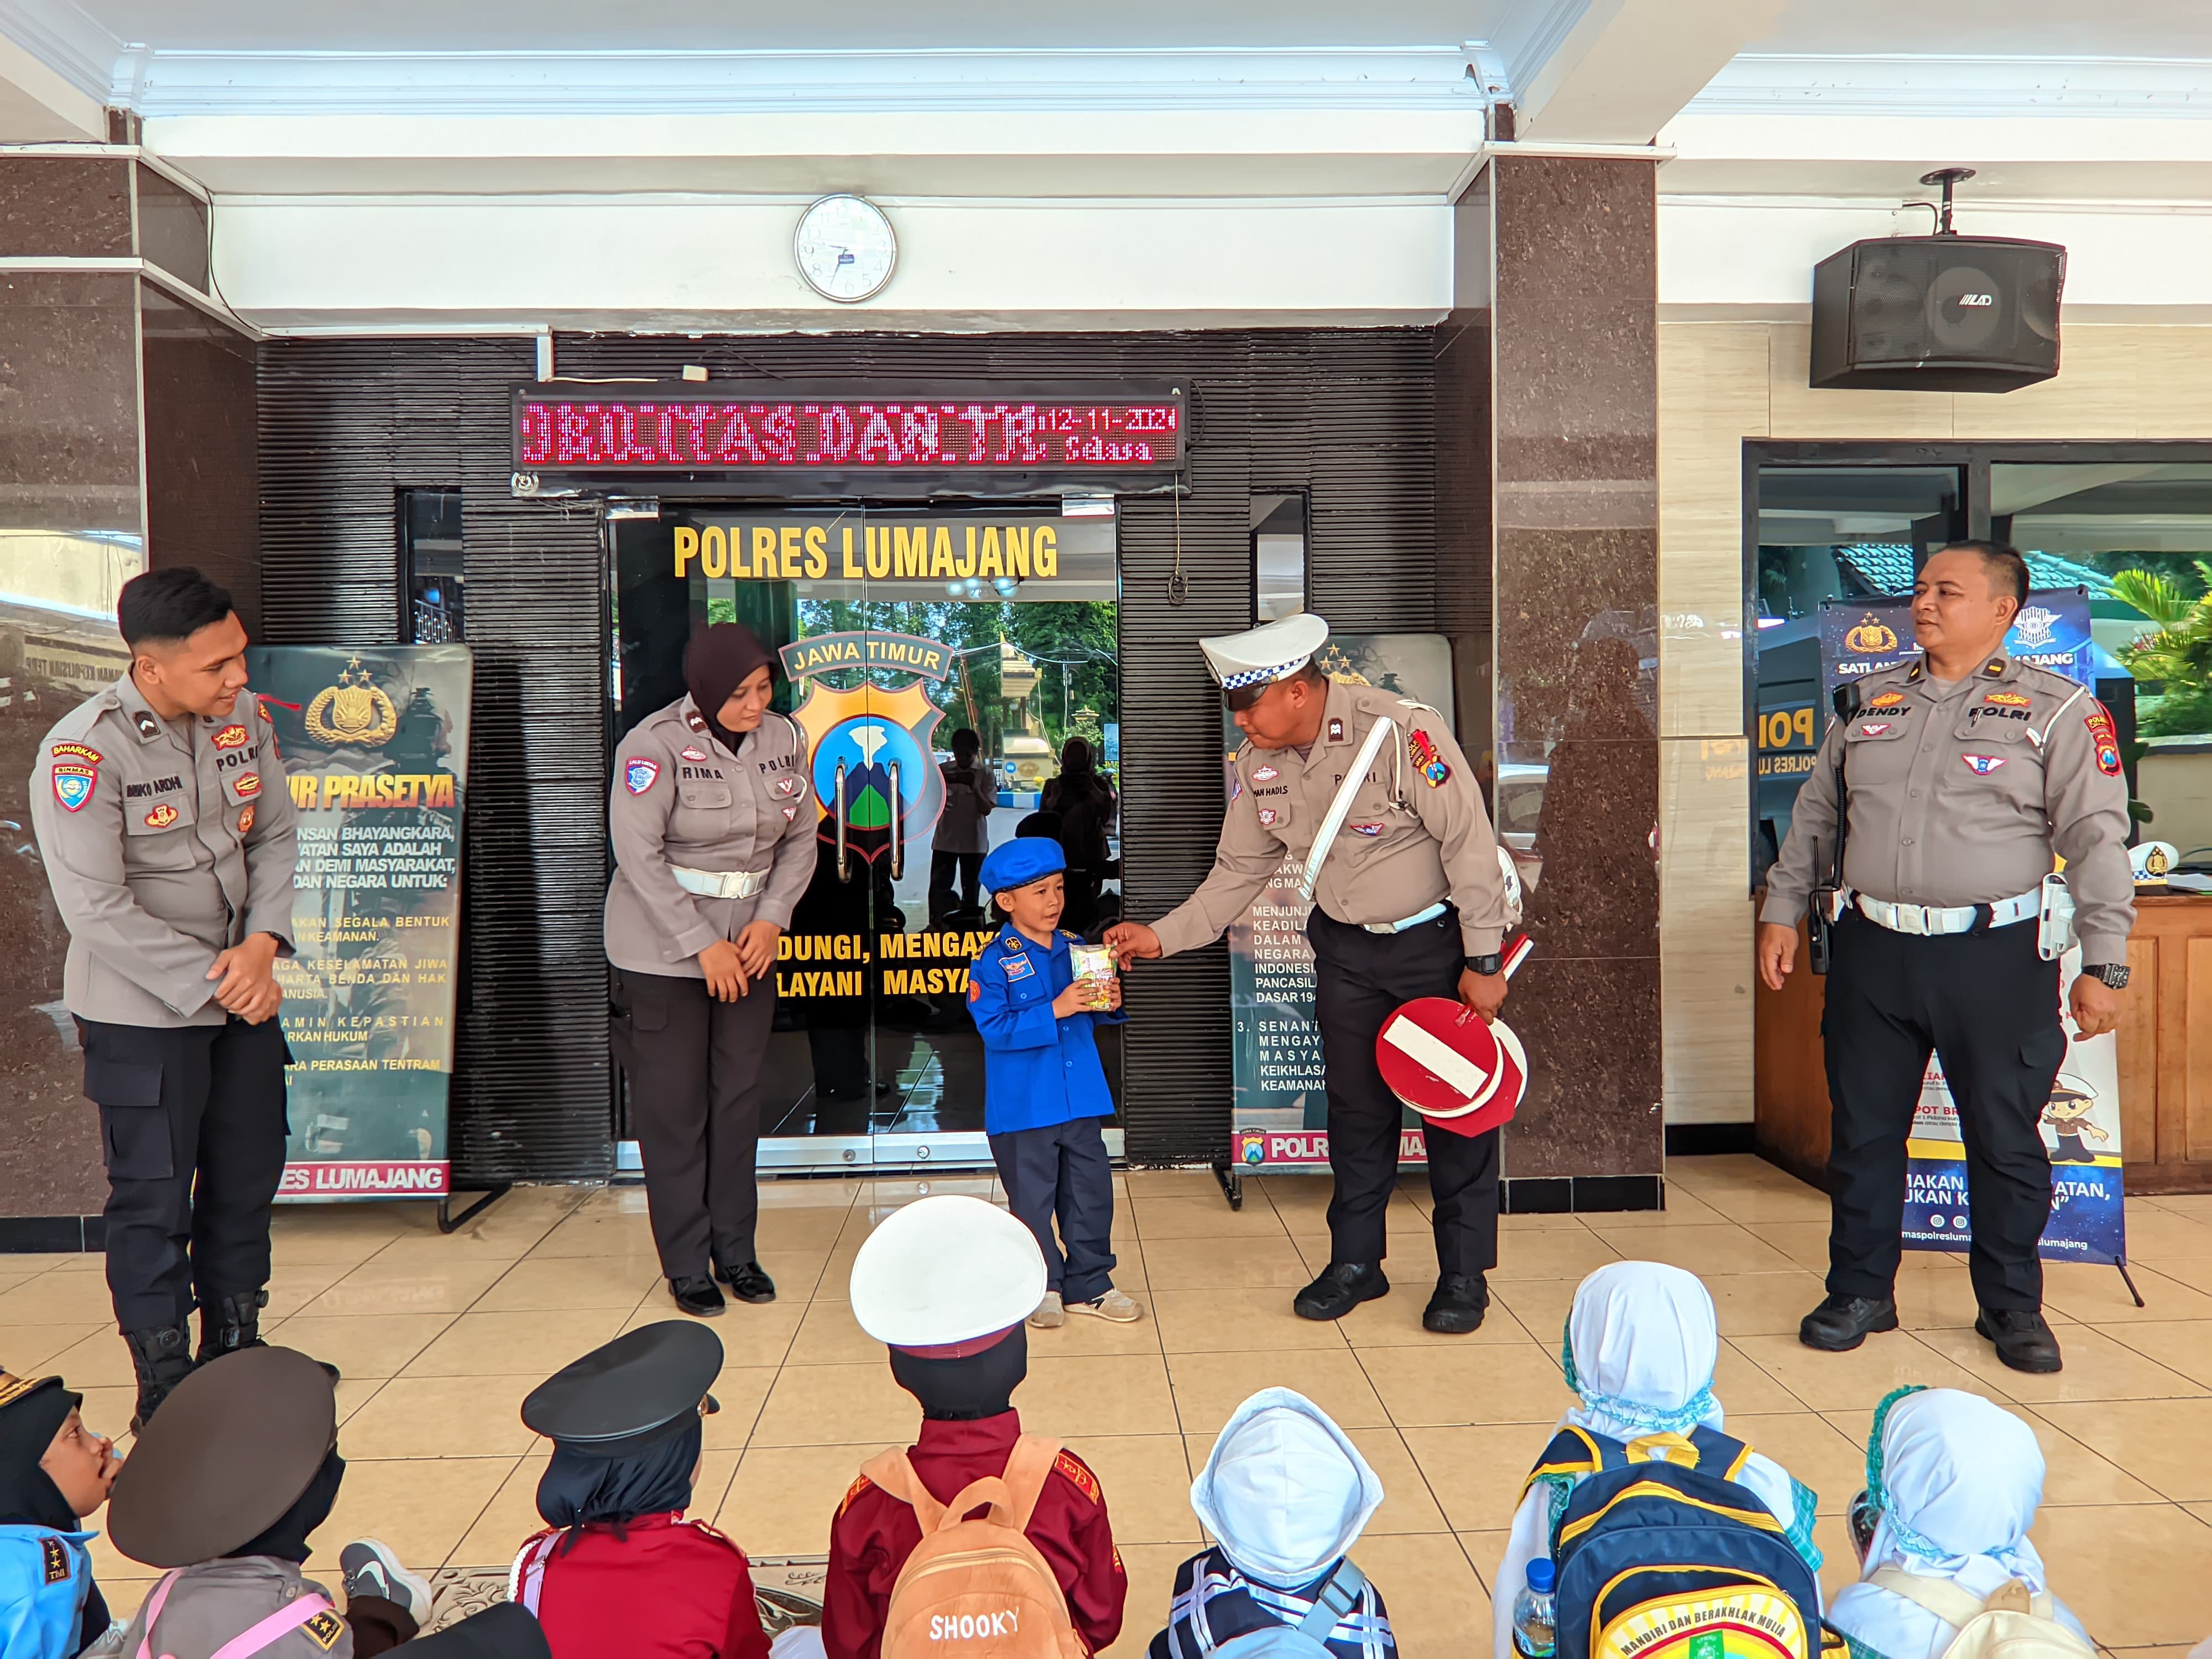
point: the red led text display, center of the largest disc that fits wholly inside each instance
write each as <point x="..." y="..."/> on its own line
<point x="602" y="435"/>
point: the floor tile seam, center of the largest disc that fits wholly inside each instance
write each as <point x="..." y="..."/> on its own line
<point x="2191" y="1387"/>
<point x="483" y="1510"/>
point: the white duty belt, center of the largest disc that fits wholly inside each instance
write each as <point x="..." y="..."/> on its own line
<point x="1926" y="920"/>
<point x="719" y="883"/>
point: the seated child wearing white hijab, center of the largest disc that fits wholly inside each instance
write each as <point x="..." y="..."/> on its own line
<point x="1286" y="1494"/>
<point x="1953" y="1482"/>
<point x="1642" y="1341"/>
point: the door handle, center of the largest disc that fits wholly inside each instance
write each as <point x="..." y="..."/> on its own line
<point x="844" y="865"/>
<point x="898" y="828"/>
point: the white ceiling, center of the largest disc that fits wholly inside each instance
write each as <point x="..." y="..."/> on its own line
<point x="750" y="25"/>
<point x="2040" y="28"/>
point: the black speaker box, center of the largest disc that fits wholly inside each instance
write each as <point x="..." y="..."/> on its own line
<point x="1937" y="313"/>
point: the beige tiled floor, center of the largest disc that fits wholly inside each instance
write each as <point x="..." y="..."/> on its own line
<point x="440" y="1337"/>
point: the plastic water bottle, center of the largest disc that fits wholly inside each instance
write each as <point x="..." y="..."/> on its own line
<point x="1533" y="1633"/>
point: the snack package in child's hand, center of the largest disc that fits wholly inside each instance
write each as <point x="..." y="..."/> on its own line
<point x="1095" y="963"/>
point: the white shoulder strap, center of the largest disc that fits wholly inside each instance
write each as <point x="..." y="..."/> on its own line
<point x="525" y="1580"/>
<point x="1940" y="1596"/>
<point x="1340" y="808"/>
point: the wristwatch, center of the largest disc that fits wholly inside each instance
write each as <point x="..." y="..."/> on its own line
<point x="2113" y="974"/>
<point x="1492" y="963"/>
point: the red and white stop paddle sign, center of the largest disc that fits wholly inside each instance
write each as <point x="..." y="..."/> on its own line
<point x="1460" y="1074"/>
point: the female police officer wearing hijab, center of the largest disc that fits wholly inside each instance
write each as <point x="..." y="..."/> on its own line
<point x="713" y="825"/>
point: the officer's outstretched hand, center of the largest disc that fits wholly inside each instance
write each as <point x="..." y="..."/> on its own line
<point x="1130" y="939"/>
<point x="2096" y="1007"/>
<point x="1777" y="953"/>
<point x="1484" y="993"/>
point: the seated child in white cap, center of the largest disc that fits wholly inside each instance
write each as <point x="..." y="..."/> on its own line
<point x="1286" y="1494"/>
<point x="1953" y="1482"/>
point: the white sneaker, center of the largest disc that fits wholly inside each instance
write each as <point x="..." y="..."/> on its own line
<point x="1049" y="1314"/>
<point x="371" y="1568"/>
<point x="1113" y="1306"/>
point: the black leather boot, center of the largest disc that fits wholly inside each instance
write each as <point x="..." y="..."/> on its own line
<point x="1840" y="1323"/>
<point x="162" y="1358"/>
<point x="1342" y="1286"/>
<point x="230" y="1323"/>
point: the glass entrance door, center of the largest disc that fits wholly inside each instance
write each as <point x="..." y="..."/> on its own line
<point x="899" y="630"/>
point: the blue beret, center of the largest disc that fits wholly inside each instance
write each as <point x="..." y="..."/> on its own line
<point x="1017" y="863"/>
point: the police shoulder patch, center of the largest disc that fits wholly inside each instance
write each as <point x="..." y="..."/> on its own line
<point x="75" y="750"/>
<point x="1079" y="1474"/>
<point x="640" y="776"/>
<point x="324" y="1629"/>
<point x="861" y="1484"/>
<point x="56" y="1559"/>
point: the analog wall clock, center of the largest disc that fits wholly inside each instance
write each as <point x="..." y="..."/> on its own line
<point x="846" y="248"/>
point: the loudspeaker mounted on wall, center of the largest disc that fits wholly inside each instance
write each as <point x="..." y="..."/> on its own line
<point x="1943" y="312"/>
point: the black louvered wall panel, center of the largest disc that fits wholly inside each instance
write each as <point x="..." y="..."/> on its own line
<point x="346" y="426"/>
<point x="1345" y="416"/>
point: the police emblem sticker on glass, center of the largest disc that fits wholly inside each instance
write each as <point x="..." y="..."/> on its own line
<point x="1095" y="963"/>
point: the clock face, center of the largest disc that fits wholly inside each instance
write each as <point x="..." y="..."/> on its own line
<point x="844" y="248"/>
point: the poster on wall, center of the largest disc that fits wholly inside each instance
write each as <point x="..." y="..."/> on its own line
<point x="1860" y="638"/>
<point x="2081" y="1130"/>
<point x="1279" y="1120"/>
<point x="375" y="743"/>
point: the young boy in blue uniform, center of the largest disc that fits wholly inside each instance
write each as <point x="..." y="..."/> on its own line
<point x="1044" y="1091"/>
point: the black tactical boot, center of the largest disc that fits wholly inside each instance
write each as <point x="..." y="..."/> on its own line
<point x="228" y="1323"/>
<point x="162" y="1358"/>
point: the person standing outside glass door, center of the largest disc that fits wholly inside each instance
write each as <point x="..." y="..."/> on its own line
<point x="964" y="828"/>
<point x="711" y="816"/>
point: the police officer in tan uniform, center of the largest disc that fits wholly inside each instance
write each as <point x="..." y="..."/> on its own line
<point x="1966" y="772"/>
<point x="1409" y="900"/>
<point x="165" y="826"/>
<point x="712" y="822"/>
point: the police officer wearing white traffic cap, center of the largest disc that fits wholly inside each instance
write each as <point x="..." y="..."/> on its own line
<point x="1965" y="771"/>
<point x="1368" y="796"/>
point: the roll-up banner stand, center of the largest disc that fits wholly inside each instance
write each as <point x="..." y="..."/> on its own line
<point x="2081" y="1123"/>
<point x="375" y="746"/>
<point x="1279" y="1120"/>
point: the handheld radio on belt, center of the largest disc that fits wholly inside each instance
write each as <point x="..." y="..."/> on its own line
<point x="1824" y="911"/>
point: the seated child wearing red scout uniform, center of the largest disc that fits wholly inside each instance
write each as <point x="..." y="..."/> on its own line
<point x="619" y="1570"/>
<point x="946" y="1283"/>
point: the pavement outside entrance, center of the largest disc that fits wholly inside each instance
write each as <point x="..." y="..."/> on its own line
<point x="439" y="1338"/>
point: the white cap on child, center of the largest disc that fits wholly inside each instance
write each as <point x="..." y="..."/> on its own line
<point x="1285" y="1491"/>
<point x="946" y="1277"/>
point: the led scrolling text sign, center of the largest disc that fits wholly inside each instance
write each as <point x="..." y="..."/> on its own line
<point x="961" y="436"/>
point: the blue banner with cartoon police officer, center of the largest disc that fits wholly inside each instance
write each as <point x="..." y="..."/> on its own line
<point x="2081" y="1132"/>
<point x="1860" y="638"/>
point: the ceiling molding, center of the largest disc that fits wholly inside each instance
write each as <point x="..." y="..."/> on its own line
<point x="63" y="37"/>
<point x="1533" y="47"/>
<point x="661" y="83"/>
<point x="1956" y="85"/>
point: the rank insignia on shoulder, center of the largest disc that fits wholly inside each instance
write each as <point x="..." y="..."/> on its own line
<point x="1423" y="748"/>
<point x="55" y="1560"/>
<point x="146" y="722"/>
<point x="74" y="784"/>
<point x="1078" y="1474"/>
<point x="696" y="720"/>
<point x="75" y="750"/>
<point x="861" y="1484"/>
<point x="1994" y="666"/>
<point x="324" y="1629"/>
<point x="640" y="776"/>
<point x="1335" y="730"/>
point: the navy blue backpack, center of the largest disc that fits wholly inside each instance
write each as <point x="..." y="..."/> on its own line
<point x="1674" y="1560"/>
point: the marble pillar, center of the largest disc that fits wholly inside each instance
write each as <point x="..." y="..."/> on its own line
<point x="1548" y="522"/>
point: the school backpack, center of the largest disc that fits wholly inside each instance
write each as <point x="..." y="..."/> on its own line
<point x="1309" y="1638"/>
<point x="2012" y="1624"/>
<point x="1667" y="1557"/>
<point x="976" y="1589"/>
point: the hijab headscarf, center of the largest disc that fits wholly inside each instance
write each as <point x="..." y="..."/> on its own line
<point x="28" y="1497"/>
<point x="1642" y="1341"/>
<point x="579" y="1490"/>
<point x="715" y="664"/>
<point x="1285" y="1491"/>
<point x="286" y="1537"/>
<point x="1956" y="1480"/>
<point x="970" y="1388"/>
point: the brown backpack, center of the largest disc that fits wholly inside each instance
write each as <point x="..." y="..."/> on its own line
<point x="977" y="1589"/>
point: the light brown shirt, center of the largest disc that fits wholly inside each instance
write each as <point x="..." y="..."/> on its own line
<point x="1961" y="794"/>
<point x="1416" y="831"/>
<point x="681" y="799"/>
<point x="181" y="844"/>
